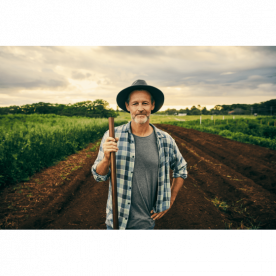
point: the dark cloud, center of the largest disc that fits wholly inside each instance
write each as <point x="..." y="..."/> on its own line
<point x="80" y="76"/>
<point x="252" y="77"/>
<point x="31" y="79"/>
<point x="22" y="70"/>
<point x="263" y="49"/>
<point x="128" y="51"/>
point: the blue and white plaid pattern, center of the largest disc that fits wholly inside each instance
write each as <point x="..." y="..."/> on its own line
<point x="169" y="157"/>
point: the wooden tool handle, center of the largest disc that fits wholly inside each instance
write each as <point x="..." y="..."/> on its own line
<point x="113" y="177"/>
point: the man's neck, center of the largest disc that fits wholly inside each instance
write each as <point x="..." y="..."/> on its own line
<point x="141" y="129"/>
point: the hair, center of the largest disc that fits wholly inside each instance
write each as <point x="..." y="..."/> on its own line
<point x="128" y="97"/>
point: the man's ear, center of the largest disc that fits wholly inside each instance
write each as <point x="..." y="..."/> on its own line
<point x="127" y="107"/>
<point x="153" y="105"/>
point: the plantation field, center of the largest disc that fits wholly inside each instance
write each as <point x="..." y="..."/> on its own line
<point x="260" y="131"/>
<point x="29" y="143"/>
<point x="230" y="185"/>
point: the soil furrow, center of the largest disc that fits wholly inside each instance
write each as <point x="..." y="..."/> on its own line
<point x="220" y="180"/>
<point x="244" y="163"/>
<point x="216" y="182"/>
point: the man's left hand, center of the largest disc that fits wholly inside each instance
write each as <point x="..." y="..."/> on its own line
<point x="155" y="216"/>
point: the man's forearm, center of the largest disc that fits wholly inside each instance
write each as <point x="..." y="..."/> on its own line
<point x="103" y="167"/>
<point x="176" y="186"/>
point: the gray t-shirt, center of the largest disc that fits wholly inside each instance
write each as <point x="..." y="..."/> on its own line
<point x="144" y="182"/>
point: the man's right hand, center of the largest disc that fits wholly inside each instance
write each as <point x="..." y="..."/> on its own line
<point x="110" y="145"/>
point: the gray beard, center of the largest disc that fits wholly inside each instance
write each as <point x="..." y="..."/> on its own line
<point x="141" y="122"/>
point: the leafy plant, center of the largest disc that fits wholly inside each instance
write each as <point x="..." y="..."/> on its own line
<point x="29" y="143"/>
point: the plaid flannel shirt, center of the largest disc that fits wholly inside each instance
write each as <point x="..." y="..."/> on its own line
<point x="169" y="157"/>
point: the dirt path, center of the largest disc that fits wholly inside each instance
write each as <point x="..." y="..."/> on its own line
<point x="229" y="185"/>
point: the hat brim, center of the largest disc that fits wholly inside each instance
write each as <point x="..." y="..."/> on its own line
<point x="155" y="92"/>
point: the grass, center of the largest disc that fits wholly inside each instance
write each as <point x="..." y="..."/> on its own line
<point x="96" y="146"/>
<point x="223" y="206"/>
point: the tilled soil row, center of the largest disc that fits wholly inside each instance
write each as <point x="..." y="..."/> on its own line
<point x="247" y="181"/>
<point x="221" y="191"/>
<point x="32" y="204"/>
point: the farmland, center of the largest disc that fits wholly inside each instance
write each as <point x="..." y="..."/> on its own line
<point x="230" y="185"/>
<point x="261" y="131"/>
<point x="29" y="143"/>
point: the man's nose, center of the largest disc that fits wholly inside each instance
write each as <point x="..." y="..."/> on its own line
<point x="140" y="107"/>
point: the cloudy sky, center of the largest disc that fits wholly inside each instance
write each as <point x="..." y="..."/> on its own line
<point x="187" y="75"/>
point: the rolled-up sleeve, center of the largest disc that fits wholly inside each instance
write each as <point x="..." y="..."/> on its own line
<point x="178" y="163"/>
<point x="99" y="158"/>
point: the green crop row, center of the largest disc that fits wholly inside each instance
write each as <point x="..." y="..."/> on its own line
<point x="33" y="142"/>
<point x="246" y="126"/>
<point x="237" y="136"/>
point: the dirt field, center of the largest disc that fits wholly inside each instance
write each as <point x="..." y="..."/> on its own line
<point x="230" y="185"/>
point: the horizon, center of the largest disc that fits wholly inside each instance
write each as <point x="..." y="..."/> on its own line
<point x="163" y="108"/>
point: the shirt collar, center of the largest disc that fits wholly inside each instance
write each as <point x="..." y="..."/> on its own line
<point x="157" y="131"/>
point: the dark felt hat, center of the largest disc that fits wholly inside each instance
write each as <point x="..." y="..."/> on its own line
<point x="157" y="95"/>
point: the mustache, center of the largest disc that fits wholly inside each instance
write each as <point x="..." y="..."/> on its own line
<point x="141" y="114"/>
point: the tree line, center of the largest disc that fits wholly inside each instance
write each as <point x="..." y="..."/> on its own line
<point x="100" y="109"/>
<point x="96" y="109"/>
<point x="263" y="108"/>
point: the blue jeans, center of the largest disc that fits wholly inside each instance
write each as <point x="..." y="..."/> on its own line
<point x="110" y="228"/>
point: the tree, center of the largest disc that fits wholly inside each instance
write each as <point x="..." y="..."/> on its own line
<point x="194" y="111"/>
<point x="218" y="107"/>
<point x="28" y="108"/>
<point x="204" y="111"/>
<point x="171" y="111"/>
<point x="100" y="102"/>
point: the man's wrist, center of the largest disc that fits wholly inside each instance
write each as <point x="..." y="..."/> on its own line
<point x="106" y="161"/>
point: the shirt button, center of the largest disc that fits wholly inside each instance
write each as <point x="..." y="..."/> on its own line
<point x="133" y="156"/>
<point x="129" y="187"/>
<point x="128" y="202"/>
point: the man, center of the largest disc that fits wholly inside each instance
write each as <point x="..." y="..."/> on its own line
<point x="144" y="156"/>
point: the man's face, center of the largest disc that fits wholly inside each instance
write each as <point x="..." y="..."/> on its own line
<point x="140" y="106"/>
